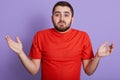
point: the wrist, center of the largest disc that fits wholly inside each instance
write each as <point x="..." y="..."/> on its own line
<point x="97" y="55"/>
<point x="20" y="53"/>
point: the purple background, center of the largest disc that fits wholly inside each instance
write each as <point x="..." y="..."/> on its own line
<point x="100" y="18"/>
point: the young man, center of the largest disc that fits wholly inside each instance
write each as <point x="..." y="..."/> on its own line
<point x="61" y="50"/>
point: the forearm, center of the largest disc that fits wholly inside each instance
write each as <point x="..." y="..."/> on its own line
<point x="31" y="65"/>
<point x="92" y="65"/>
<point x="28" y="63"/>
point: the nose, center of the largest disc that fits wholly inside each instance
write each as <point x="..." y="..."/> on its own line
<point x="61" y="17"/>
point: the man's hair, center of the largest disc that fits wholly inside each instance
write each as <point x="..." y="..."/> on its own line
<point x="63" y="3"/>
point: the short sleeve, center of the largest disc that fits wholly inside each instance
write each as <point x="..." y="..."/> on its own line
<point x="35" y="51"/>
<point x="87" y="52"/>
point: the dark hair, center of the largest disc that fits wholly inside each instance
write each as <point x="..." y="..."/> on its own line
<point x="63" y="3"/>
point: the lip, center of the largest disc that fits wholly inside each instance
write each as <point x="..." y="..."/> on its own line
<point x="61" y="23"/>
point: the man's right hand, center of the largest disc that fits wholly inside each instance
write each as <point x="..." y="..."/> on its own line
<point x="16" y="46"/>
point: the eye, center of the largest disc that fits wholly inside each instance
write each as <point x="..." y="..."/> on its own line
<point x="67" y="15"/>
<point x="57" y="15"/>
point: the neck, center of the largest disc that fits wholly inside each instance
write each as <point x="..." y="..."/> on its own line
<point x="64" y="31"/>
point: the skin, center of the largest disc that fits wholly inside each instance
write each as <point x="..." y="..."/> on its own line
<point x="62" y="19"/>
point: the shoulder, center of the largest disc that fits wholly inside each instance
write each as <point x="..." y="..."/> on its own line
<point x="43" y="31"/>
<point x="79" y="31"/>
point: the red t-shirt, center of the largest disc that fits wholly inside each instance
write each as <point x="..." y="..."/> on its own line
<point x="61" y="54"/>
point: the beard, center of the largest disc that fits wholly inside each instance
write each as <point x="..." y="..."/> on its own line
<point x="62" y="28"/>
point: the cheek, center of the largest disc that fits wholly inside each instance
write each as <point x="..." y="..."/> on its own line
<point x="68" y="20"/>
<point x="56" y="20"/>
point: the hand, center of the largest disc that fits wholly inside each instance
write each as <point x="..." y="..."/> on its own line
<point x="105" y="49"/>
<point x="15" y="46"/>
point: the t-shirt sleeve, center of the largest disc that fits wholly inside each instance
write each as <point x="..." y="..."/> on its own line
<point x="35" y="51"/>
<point x="87" y="49"/>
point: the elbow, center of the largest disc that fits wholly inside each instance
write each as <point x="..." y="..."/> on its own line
<point x="33" y="73"/>
<point x="89" y="73"/>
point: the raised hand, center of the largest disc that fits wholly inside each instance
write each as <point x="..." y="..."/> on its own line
<point x="16" y="46"/>
<point x="105" y="49"/>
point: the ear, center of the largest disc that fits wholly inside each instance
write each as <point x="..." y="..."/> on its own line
<point x="52" y="17"/>
<point x="72" y="20"/>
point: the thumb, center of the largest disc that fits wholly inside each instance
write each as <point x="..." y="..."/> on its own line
<point x="18" y="40"/>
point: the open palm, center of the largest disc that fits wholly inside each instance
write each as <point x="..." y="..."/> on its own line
<point x="16" y="46"/>
<point x="105" y="49"/>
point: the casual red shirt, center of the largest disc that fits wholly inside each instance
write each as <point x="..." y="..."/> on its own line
<point x="61" y="54"/>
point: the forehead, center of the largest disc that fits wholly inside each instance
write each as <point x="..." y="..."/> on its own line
<point x="62" y="9"/>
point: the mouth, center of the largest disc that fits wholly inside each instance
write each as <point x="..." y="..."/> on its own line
<point x="61" y="23"/>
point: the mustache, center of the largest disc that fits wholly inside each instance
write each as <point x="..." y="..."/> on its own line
<point x="61" y="22"/>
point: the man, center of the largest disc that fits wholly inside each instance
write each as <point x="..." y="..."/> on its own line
<point x="60" y="50"/>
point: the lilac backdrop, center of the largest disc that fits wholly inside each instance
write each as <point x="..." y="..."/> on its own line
<point x="100" y="18"/>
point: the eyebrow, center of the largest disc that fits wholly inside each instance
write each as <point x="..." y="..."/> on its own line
<point x="60" y="12"/>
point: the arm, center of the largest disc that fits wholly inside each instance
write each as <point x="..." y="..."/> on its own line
<point x="31" y="65"/>
<point x="91" y="65"/>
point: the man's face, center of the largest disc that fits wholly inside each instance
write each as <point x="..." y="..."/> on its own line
<point x="62" y="18"/>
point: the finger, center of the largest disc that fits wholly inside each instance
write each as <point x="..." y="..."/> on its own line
<point x="111" y="46"/>
<point x="109" y="50"/>
<point x="105" y="44"/>
<point x="18" y="40"/>
<point x="8" y="37"/>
